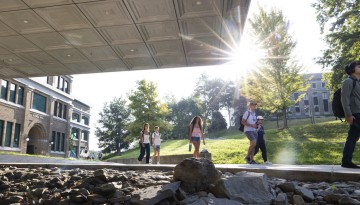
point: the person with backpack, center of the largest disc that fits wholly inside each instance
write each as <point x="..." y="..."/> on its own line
<point x="145" y="143"/>
<point x="156" y="140"/>
<point x="350" y="100"/>
<point x="250" y="126"/>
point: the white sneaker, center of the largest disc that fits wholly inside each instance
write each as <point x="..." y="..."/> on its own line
<point x="158" y="163"/>
<point x="268" y="163"/>
<point x="150" y="161"/>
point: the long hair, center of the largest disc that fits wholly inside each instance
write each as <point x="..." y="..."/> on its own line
<point x="144" y="127"/>
<point x="193" y="122"/>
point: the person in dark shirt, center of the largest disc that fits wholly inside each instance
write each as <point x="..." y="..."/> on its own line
<point x="260" y="143"/>
<point x="350" y="100"/>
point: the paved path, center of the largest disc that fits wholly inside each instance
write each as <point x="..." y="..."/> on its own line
<point x="296" y="172"/>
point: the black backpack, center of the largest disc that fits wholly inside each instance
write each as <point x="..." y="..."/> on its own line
<point x="336" y="103"/>
<point x="242" y="126"/>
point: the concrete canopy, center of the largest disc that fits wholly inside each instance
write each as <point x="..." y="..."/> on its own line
<point x="64" y="37"/>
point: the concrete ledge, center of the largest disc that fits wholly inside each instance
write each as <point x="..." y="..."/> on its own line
<point x="166" y="159"/>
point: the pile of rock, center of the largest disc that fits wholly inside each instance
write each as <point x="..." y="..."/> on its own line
<point x="193" y="182"/>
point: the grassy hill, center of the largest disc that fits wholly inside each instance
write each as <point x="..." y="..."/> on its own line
<point x="319" y="143"/>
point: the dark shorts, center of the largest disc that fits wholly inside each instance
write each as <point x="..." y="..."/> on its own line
<point x="251" y="135"/>
<point x="157" y="147"/>
<point x="195" y="139"/>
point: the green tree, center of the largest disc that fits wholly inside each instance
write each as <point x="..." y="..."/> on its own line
<point x="209" y="92"/>
<point x="227" y="99"/>
<point x="180" y="115"/>
<point x="147" y="108"/>
<point x="278" y="77"/>
<point x="112" y="131"/>
<point x="339" y="20"/>
<point x="218" y="122"/>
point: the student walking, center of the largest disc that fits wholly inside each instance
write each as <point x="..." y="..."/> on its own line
<point x="350" y="100"/>
<point x="196" y="133"/>
<point x="260" y="142"/>
<point x="250" y="126"/>
<point x="156" y="140"/>
<point x="145" y="143"/>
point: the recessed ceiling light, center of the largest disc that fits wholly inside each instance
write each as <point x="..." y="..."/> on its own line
<point x="26" y="21"/>
<point x="10" y="59"/>
<point x="132" y="50"/>
<point x="68" y="55"/>
<point x="201" y="45"/>
<point x="107" y="12"/>
<point x="198" y="3"/>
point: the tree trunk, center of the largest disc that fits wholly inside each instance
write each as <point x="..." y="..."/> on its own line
<point x="285" y="118"/>
<point x="229" y="117"/>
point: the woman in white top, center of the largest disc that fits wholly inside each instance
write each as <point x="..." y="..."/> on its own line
<point x="145" y="143"/>
<point x="156" y="140"/>
<point x="196" y="133"/>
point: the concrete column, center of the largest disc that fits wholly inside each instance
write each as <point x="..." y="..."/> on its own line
<point x="68" y="130"/>
<point x="51" y="105"/>
<point x="4" y="133"/>
<point x="26" y="124"/>
<point x="79" y="141"/>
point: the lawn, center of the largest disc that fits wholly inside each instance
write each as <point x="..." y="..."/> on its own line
<point x="319" y="143"/>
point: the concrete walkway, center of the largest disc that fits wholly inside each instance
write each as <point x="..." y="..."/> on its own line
<point x="295" y="172"/>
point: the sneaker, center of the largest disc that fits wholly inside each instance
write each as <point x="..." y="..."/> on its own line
<point x="158" y="163"/>
<point x="150" y="161"/>
<point x="247" y="160"/>
<point x="268" y="163"/>
<point x="350" y="165"/>
<point x="253" y="162"/>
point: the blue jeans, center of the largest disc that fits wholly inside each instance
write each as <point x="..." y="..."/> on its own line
<point x="144" y="149"/>
<point x="352" y="138"/>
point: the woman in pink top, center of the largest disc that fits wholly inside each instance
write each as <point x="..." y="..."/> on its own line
<point x="196" y="132"/>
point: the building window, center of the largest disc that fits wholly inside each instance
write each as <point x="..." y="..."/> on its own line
<point x="53" y="140"/>
<point x="58" y="140"/>
<point x="74" y="133"/>
<point x="12" y="95"/>
<point x="316" y="101"/>
<point x="325" y="95"/>
<point x="323" y="84"/>
<point x="1" y="131"/>
<point x="306" y="99"/>
<point x="297" y="109"/>
<point x="59" y="110"/>
<point x="64" y="112"/>
<point x="9" y="126"/>
<point x="317" y="109"/>
<point x="16" y="135"/>
<point x="39" y="102"/>
<point x="61" y="83"/>
<point x="76" y="117"/>
<point x="313" y="85"/>
<point x="66" y="86"/>
<point x="84" y="135"/>
<point x="4" y="87"/>
<point x="62" y="144"/>
<point x="20" y="97"/>
<point x="85" y="120"/>
<point x="326" y="105"/>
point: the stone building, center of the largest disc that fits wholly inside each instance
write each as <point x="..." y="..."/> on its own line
<point x="316" y="101"/>
<point x="39" y="116"/>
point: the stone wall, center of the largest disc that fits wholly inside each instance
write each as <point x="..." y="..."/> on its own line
<point x="167" y="159"/>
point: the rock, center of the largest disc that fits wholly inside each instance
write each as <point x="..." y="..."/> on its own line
<point x="196" y="174"/>
<point x="348" y="201"/>
<point x="281" y="199"/>
<point x="305" y="193"/>
<point x="247" y="188"/>
<point x="298" y="200"/>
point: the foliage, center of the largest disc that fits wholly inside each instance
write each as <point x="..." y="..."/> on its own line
<point x="180" y="115"/>
<point x="113" y="124"/>
<point x="209" y="91"/>
<point x="339" y="20"/>
<point x="146" y="108"/>
<point x="218" y="122"/>
<point x="278" y="78"/>
<point x="307" y="144"/>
